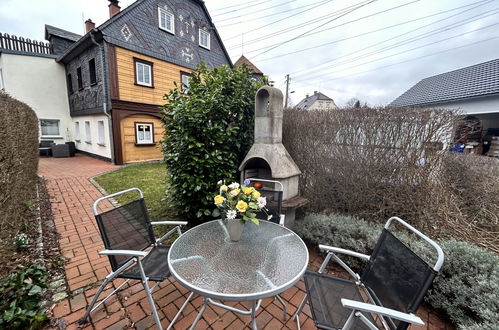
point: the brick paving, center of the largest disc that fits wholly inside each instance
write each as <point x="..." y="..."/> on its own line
<point x="71" y="197"/>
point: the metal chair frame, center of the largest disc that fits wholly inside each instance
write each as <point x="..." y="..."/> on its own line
<point x="281" y="216"/>
<point x="136" y="258"/>
<point x="359" y="307"/>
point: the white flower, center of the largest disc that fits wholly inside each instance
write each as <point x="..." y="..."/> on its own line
<point x="231" y="214"/>
<point x="234" y="185"/>
<point x="220" y="182"/>
<point x="261" y="202"/>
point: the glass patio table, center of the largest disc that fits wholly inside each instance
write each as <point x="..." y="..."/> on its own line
<point x="267" y="260"/>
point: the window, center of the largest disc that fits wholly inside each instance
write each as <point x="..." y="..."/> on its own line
<point x="91" y="70"/>
<point x="49" y="128"/>
<point x="204" y="39"/>
<point x="70" y="84"/>
<point x="184" y="79"/>
<point x="144" y="133"/>
<point x="88" y="136"/>
<point x="143" y="73"/>
<point x="1" y="80"/>
<point x="77" y="131"/>
<point x="166" y="20"/>
<point x="100" y="131"/>
<point x="79" y="78"/>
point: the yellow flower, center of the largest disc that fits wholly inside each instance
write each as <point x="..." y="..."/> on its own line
<point x="242" y="206"/>
<point x="256" y="194"/>
<point x="223" y="188"/>
<point x="219" y="200"/>
<point x="248" y="190"/>
<point x="234" y="192"/>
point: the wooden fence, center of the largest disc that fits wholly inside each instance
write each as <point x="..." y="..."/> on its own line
<point x="12" y="42"/>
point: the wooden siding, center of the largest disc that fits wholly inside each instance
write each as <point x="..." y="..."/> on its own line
<point x="164" y="74"/>
<point x="133" y="153"/>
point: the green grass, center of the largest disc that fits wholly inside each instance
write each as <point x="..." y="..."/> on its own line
<point x="151" y="178"/>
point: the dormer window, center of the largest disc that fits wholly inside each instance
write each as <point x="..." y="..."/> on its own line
<point x="166" y="20"/>
<point x="204" y="39"/>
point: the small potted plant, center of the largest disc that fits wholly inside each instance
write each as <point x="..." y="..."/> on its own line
<point x="239" y="204"/>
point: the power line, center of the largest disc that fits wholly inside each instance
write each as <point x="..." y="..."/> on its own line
<point x="297" y="26"/>
<point x="320" y="3"/>
<point x="246" y="3"/>
<point x="374" y="31"/>
<point x="333" y="27"/>
<point x="303" y="34"/>
<point x="257" y="11"/>
<point x="403" y="42"/>
<point x="413" y="59"/>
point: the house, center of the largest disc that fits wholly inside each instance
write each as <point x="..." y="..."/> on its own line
<point x="473" y="90"/>
<point x="115" y="76"/>
<point x="29" y="72"/>
<point x="256" y="73"/>
<point x="316" y="101"/>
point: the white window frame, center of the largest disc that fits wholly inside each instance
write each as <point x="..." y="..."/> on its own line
<point x="172" y="20"/>
<point x="144" y="65"/>
<point x="54" y="136"/>
<point x="184" y="87"/>
<point x="101" y="133"/>
<point x="77" y="131"/>
<point x="88" y="132"/>
<point x="144" y="141"/>
<point x="208" y="39"/>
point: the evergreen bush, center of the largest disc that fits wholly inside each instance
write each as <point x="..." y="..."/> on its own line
<point x="466" y="288"/>
<point x="208" y="131"/>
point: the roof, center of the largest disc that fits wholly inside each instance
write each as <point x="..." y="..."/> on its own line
<point x="243" y="60"/>
<point x="478" y="80"/>
<point x="52" y="30"/>
<point x="309" y="100"/>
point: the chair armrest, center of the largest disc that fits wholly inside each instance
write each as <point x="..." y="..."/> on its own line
<point x="282" y="218"/>
<point x="360" y="306"/>
<point x="173" y="223"/>
<point x="132" y="253"/>
<point x="343" y="251"/>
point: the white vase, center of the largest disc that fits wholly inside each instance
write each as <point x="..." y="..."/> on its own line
<point x="235" y="227"/>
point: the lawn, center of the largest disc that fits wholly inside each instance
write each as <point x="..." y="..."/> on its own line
<point x="151" y="178"/>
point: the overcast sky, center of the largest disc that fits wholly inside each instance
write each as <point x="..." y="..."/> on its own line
<point x="371" y="50"/>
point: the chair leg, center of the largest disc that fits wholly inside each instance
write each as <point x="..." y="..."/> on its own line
<point x="298" y="311"/>
<point x="149" y="295"/>
<point x="96" y="296"/>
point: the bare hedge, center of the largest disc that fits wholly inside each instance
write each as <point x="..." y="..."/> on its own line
<point x="378" y="162"/>
<point x="18" y="162"/>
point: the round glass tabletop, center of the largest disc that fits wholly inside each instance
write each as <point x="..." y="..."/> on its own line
<point x="267" y="260"/>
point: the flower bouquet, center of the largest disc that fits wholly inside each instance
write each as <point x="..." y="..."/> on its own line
<point x="238" y="204"/>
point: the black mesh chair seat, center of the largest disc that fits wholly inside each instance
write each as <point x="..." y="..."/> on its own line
<point x="325" y="293"/>
<point x="155" y="265"/>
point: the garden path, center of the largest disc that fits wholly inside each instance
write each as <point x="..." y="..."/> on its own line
<point x="71" y="197"/>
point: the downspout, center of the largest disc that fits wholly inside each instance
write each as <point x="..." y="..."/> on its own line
<point x="106" y="105"/>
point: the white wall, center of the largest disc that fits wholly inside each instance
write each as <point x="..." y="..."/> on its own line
<point x="39" y="82"/>
<point x="475" y="106"/>
<point x="93" y="145"/>
<point x="322" y="105"/>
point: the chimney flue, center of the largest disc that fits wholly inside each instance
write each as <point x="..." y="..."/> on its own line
<point x="113" y="8"/>
<point x="89" y="25"/>
<point x="315" y="92"/>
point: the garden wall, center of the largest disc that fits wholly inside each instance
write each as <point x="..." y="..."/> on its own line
<point x="18" y="162"/>
<point x="378" y="162"/>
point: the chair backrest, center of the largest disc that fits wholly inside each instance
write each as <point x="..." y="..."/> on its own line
<point x="46" y="144"/>
<point x="274" y="205"/>
<point x="396" y="277"/>
<point x="127" y="227"/>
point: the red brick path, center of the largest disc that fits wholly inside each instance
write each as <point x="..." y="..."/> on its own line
<point x="71" y="196"/>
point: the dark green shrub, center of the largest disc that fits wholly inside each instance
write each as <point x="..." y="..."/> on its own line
<point x="467" y="287"/>
<point x="207" y="134"/>
<point x="20" y="299"/>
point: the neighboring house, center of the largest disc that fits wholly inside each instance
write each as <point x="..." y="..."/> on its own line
<point x="474" y="90"/>
<point x="117" y="74"/>
<point x="256" y="73"/>
<point x="29" y="73"/>
<point x="316" y="101"/>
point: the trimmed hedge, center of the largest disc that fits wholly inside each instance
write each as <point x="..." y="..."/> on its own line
<point x="467" y="287"/>
<point x="18" y="162"/>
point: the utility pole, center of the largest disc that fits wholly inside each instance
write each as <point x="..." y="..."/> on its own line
<point x="287" y="92"/>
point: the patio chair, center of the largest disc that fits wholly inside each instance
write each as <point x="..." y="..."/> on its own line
<point x="133" y="251"/>
<point x="394" y="282"/>
<point x="60" y="150"/>
<point x="274" y="201"/>
<point x="45" y="147"/>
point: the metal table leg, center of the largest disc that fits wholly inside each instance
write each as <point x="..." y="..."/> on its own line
<point x="199" y="314"/>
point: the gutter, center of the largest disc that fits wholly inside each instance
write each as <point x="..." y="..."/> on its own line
<point x="106" y="105"/>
